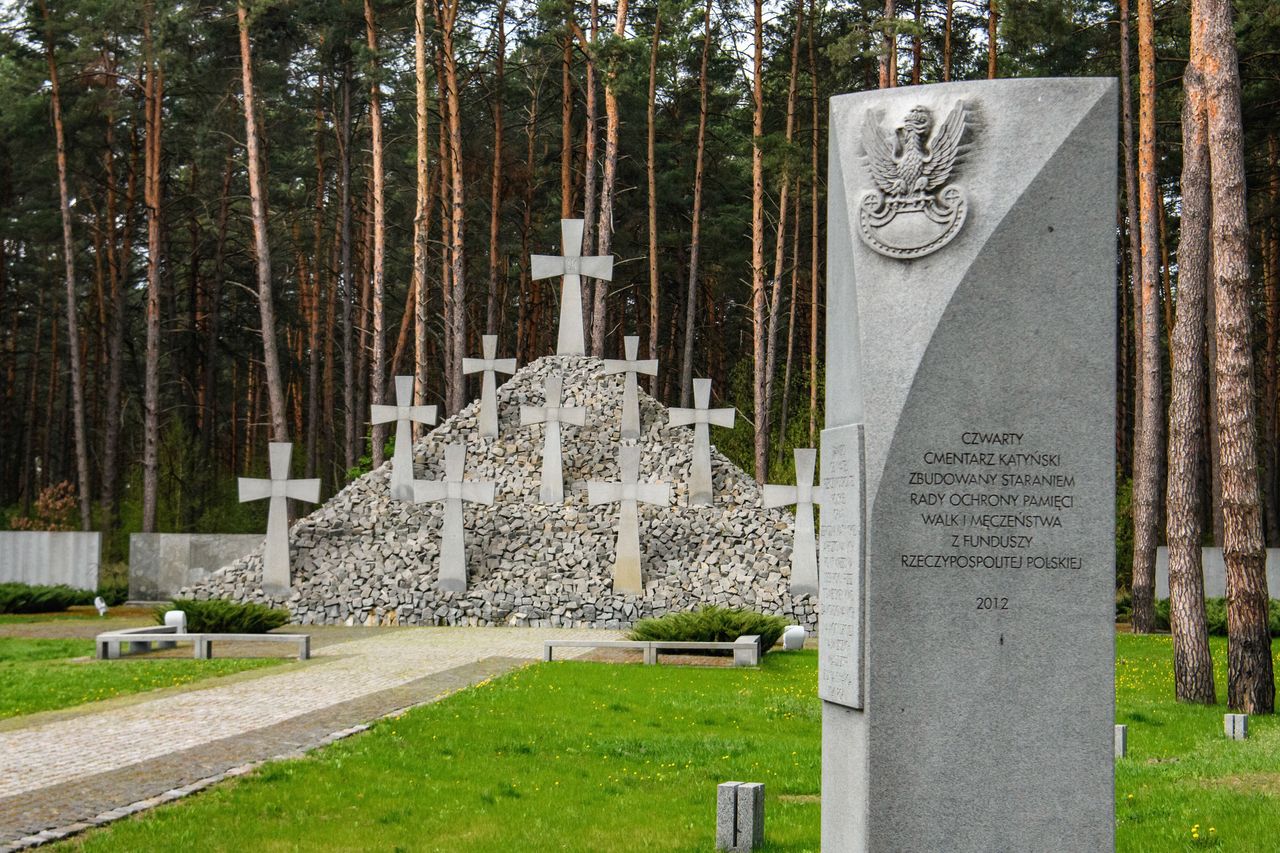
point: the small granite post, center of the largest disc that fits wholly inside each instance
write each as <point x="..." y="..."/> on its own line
<point x="967" y="637"/>
<point x="552" y="414"/>
<point x="453" y="490"/>
<point x="488" y="389"/>
<point x="628" y="492"/>
<point x="804" y="494"/>
<point x="739" y="816"/>
<point x="572" y="265"/>
<point x="1122" y="741"/>
<point x="1236" y="726"/>
<point x="403" y="412"/>
<point x="275" y="556"/>
<point x="631" y="365"/>
<point x="700" y="483"/>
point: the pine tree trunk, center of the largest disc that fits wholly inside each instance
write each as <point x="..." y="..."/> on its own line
<point x="1192" y="665"/>
<point x="604" y="228"/>
<point x="993" y="32"/>
<point x="422" y="210"/>
<point x="1271" y="278"/>
<point x="780" y="243"/>
<point x="791" y="330"/>
<point x="69" y="264"/>
<point x="889" y="56"/>
<point x="589" y="197"/>
<point x="1250" y="679"/>
<point x="758" y="314"/>
<point x="495" y="188"/>
<point x="262" y="250"/>
<point x="651" y="174"/>
<point x="378" y="379"/>
<point x="1146" y="477"/>
<point x="313" y="324"/>
<point x="813" y="234"/>
<point x="455" y="380"/>
<point x="348" y="294"/>
<point x="695" y="235"/>
<point x="151" y="198"/>
<point x="1134" y="229"/>
<point x="946" y="40"/>
<point x="115" y="340"/>
<point x="566" y="125"/>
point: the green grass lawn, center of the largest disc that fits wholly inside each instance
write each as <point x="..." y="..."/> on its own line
<point x="592" y="757"/>
<point x="40" y="675"/>
<point x="1181" y="772"/>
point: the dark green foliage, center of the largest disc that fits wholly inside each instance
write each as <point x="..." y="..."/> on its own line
<point x="114" y="594"/>
<point x="1215" y="616"/>
<point x="28" y="598"/>
<point x="219" y="616"/>
<point x="711" y="625"/>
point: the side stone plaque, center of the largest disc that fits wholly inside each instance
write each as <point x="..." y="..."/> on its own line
<point x="842" y="563"/>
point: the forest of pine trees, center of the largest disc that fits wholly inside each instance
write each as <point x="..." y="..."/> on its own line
<point x="364" y="182"/>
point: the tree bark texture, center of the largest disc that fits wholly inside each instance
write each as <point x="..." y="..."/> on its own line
<point x="1192" y="664"/>
<point x="1250" y="679"/>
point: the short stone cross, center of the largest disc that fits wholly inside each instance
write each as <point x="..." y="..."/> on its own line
<point x="489" y="390"/>
<point x="453" y="490"/>
<point x="628" y="492"/>
<point x="403" y="412"/>
<point x="275" y="556"/>
<point x="552" y="414"/>
<point x="631" y="365"/>
<point x="572" y="265"/>
<point x="700" y="416"/>
<point x="804" y="494"/>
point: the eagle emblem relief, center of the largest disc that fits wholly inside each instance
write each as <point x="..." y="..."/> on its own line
<point x="912" y="211"/>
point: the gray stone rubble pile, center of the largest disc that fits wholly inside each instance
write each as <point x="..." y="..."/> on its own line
<point x="364" y="558"/>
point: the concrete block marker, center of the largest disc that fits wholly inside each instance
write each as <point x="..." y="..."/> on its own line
<point x="1122" y="741"/>
<point x="966" y="639"/>
<point x="1236" y="726"/>
<point x="739" y="816"/>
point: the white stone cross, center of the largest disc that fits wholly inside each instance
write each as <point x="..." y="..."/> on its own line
<point x="402" y="413"/>
<point x="631" y="365"/>
<point x="804" y="494"/>
<point x="700" y="416"/>
<point x="572" y="265"/>
<point x="453" y="490"/>
<point x="275" y="556"/>
<point x="552" y="414"/>
<point x="489" y="390"/>
<point x="627" y="492"/>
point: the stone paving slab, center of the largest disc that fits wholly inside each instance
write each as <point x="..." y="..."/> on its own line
<point x="97" y="767"/>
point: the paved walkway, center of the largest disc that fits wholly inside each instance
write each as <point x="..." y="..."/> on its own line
<point x="61" y="775"/>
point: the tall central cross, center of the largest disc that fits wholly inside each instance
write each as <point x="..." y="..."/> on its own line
<point x="804" y="494"/>
<point x="631" y="365"/>
<point x="489" y="389"/>
<point x="628" y="492"/>
<point x="275" y="556"/>
<point x="572" y="265"/>
<point x="403" y="412"/>
<point x="453" y="490"/>
<point x="552" y="414"/>
<point x="701" y="416"/>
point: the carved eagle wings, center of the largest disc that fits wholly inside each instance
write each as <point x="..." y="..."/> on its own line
<point x="902" y="166"/>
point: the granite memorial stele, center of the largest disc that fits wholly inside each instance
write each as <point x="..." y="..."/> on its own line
<point x="966" y="659"/>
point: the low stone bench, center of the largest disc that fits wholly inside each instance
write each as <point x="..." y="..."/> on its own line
<point x="746" y="649"/>
<point x="642" y="645"/>
<point x="204" y="642"/>
<point x="167" y="636"/>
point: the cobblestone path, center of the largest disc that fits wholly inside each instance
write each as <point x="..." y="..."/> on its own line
<point x="59" y="776"/>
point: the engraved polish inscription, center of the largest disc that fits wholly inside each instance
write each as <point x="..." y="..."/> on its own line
<point x="994" y="500"/>
<point x="841" y="564"/>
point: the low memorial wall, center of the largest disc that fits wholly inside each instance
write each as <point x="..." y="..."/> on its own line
<point x="50" y="557"/>
<point x="1215" y="572"/>
<point x="160" y="564"/>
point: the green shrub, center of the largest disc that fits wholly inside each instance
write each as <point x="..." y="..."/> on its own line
<point x="711" y="625"/>
<point x="29" y="598"/>
<point x="219" y="616"/>
<point x="1215" y="616"/>
<point x="114" y="594"/>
